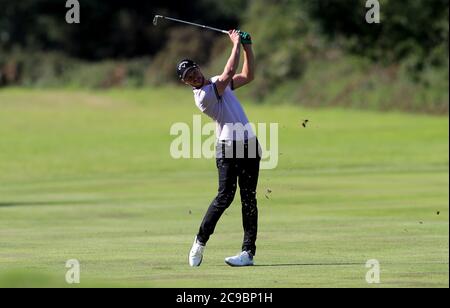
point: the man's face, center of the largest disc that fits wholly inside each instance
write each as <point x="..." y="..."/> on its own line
<point x="194" y="78"/>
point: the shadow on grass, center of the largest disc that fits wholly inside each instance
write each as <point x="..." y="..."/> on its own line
<point x="53" y="203"/>
<point x="347" y="264"/>
<point x="308" y="264"/>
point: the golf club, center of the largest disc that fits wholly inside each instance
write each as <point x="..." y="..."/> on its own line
<point x="155" y="22"/>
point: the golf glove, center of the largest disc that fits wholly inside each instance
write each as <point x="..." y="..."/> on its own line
<point x="246" y="39"/>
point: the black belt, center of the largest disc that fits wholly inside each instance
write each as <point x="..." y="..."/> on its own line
<point x="234" y="142"/>
<point x="230" y="148"/>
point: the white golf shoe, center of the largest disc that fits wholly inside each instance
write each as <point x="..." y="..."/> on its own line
<point x="242" y="259"/>
<point x="196" y="254"/>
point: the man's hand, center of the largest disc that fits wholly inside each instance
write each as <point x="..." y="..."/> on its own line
<point x="234" y="37"/>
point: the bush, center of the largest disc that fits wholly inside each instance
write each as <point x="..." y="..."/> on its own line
<point x="57" y="70"/>
<point x="109" y="74"/>
<point x="36" y="69"/>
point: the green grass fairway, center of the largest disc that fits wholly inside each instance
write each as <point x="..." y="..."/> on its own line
<point x="88" y="176"/>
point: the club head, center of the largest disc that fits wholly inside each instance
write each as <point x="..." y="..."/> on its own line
<point x="155" y="20"/>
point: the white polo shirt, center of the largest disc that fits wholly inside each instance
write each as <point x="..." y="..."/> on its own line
<point x="226" y="111"/>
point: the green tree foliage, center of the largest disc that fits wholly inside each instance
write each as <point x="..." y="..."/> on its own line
<point x="292" y="38"/>
<point x="281" y="32"/>
<point x="183" y="43"/>
<point x="413" y="35"/>
<point x="413" y="28"/>
<point x="108" y="29"/>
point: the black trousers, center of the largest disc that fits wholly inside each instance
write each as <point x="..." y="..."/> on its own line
<point x="236" y="163"/>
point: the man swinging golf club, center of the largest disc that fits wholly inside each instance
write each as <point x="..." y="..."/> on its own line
<point x="238" y="153"/>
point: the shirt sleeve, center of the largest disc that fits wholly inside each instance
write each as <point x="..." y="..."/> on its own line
<point x="204" y="97"/>
<point x="207" y="100"/>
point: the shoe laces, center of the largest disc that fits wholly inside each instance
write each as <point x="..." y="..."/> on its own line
<point x="198" y="248"/>
<point x="245" y="254"/>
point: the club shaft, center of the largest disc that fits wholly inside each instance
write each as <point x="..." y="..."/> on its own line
<point x="194" y="24"/>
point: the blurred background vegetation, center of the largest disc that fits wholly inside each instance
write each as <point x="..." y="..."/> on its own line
<point x="310" y="52"/>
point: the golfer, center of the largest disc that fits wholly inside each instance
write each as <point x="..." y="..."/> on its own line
<point x="238" y="153"/>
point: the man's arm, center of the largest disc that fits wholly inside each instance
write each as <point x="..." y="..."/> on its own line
<point x="232" y="64"/>
<point x="248" y="71"/>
